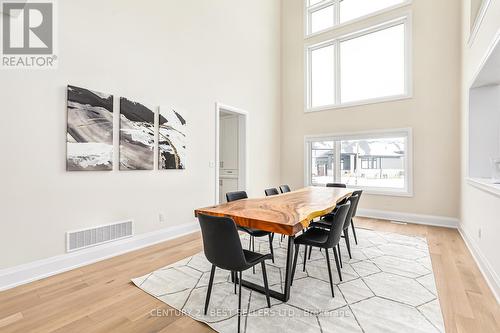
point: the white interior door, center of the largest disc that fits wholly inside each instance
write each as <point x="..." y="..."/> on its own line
<point x="229" y="141"/>
<point x="231" y="151"/>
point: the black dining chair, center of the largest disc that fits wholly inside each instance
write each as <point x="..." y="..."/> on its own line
<point x="327" y="222"/>
<point x="358" y="193"/>
<point x="285" y="189"/>
<point x="336" y="185"/>
<point x="229" y="254"/>
<point x="329" y="216"/>
<point x="271" y="191"/>
<point x="324" y="239"/>
<point x="339" y="185"/>
<point x="239" y="195"/>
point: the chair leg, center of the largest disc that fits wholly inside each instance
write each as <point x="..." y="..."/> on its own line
<point x="295" y="262"/>
<point x="235" y="274"/>
<point x="271" y="246"/>
<point x="329" y="271"/>
<point x="340" y="255"/>
<point x="337" y="262"/>
<point x="209" y="291"/>
<point x="310" y="251"/>
<point x="354" y="232"/>
<point x="305" y="258"/>
<point x="266" y="285"/>
<point x="347" y="243"/>
<point x="239" y="302"/>
<point x="253" y="249"/>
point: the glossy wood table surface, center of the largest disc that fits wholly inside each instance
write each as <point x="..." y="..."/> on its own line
<point x="285" y="214"/>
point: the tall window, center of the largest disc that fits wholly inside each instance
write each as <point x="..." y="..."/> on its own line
<point x="379" y="162"/>
<point x="326" y="14"/>
<point x="362" y="67"/>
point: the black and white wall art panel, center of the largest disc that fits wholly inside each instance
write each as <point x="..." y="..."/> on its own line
<point x="89" y="130"/>
<point x="172" y="139"/>
<point x="137" y="136"/>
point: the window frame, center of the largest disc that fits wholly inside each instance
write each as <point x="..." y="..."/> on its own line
<point x="308" y="10"/>
<point x="406" y="20"/>
<point x="407" y="191"/>
<point x="475" y="22"/>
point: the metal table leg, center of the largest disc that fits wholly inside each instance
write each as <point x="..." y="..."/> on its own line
<point x="285" y="295"/>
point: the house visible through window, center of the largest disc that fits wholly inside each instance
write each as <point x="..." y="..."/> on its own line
<point x="369" y="163"/>
<point x="379" y="162"/>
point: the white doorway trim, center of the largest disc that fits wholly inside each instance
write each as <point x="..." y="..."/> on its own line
<point x="243" y="146"/>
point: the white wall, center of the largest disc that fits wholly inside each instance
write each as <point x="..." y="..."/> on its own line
<point x="484" y="129"/>
<point x="187" y="53"/>
<point x="480" y="209"/>
<point x="433" y="112"/>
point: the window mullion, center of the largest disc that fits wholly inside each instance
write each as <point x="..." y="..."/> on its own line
<point x="308" y="166"/>
<point x="336" y="70"/>
<point x="309" y="22"/>
<point x="338" y="171"/>
<point x="336" y="13"/>
<point x="357" y="165"/>
<point x="309" y="78"/>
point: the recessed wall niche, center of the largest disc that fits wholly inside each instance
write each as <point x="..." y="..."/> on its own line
<point x="484" y="119"/>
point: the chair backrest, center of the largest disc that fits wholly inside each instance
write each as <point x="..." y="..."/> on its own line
<point x="343" y="201"/>
<point x="337" y="224"/>
<point x="336" y="185"/>
<point x="353" y="199"/>
<point x="238" y="195"/>
<point x="271" y="191"/>
<point x="221" y="242"/>
<point x="285" y="189"/>
<point x="358" y="193"/>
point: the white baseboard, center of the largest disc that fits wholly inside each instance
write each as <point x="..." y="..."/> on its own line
<point x="439" y="221"/>
<point x="26" y="273"/>
<point x="484" y="265"/>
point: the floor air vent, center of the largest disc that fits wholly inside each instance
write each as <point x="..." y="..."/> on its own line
<point x="81" y="239"/>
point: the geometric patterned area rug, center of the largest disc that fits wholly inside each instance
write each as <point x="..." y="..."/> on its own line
<point x="388" y="286"/>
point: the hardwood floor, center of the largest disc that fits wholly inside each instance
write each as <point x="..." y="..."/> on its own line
<point x="101" y="298"/>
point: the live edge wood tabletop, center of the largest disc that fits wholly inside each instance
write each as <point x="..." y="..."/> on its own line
<point x="285" y="214"/>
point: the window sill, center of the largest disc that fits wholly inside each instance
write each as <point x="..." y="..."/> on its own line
<point x="484" y="184"/>
<point x="360" y="103"/>
<point x="379" y="191"/>
<point x="388" y="192"/>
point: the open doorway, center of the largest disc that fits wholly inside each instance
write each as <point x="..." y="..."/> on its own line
<point x="230" y="151"/>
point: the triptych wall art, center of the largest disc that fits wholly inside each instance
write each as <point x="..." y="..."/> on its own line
<point x="137" y="136"/>
<point x="90" y="134"/>
<point x="90" y="130"/>
<point x="172" y="140"/>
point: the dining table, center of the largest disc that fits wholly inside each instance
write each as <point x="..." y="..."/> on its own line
<point x="286" y="214"/>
